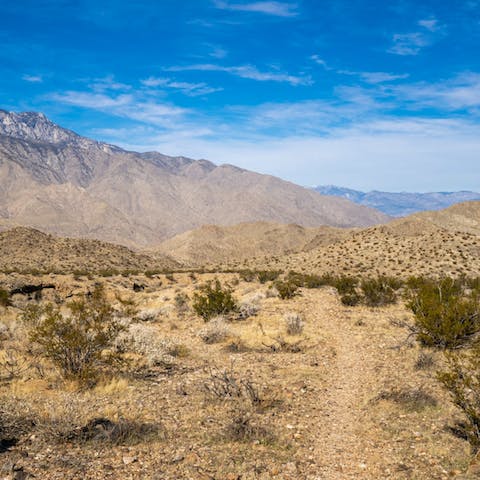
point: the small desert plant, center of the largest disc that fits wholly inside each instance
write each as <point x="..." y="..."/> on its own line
<point x="425" y="361"/>
<point x="247" y="310"/>
<point x="294" y="323"/>
<point x="75" y="343"/>
<point x="216" y="331"/>
<point x="446" y="316"/>
<point x="286" y="289"/>
<point x="350" y="299"/>
<point x="181" y="302"/>
<point x="378" y="292"/>
<point x="247" y="275"/>
<point x="462" y="380"/>
<point x="213" y="300"/>
<point x="243" y="426"/>
<point x="227" y="384"/>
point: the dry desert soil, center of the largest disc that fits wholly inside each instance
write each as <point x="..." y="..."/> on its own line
<point x="349" y="397"/>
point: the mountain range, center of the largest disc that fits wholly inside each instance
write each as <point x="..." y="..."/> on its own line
<point x="62" y="183"/>
<point x="399" y="204"/>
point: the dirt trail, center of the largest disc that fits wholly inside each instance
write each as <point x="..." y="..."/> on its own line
<point x="342" y="451"/>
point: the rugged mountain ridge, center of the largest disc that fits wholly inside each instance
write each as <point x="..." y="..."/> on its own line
<point x="59" y="182"/>
<point x="399" y="204"/>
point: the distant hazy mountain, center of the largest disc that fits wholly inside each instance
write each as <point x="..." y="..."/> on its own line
<point x="59" y="182"/>
<point x="399" y="204"/>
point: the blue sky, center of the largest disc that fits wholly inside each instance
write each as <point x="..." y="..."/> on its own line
<point x="363" y="94"/>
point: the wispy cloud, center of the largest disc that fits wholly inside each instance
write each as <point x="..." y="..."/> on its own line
<point x="106" y="83"/>
<point x="430" y="24"/>
<point x="32" y="78"/>
<point x="131" y="106"/>
<point x="187" y="88"/>
<point x="320" y="61"/>
<point x="412" y="43"/>
<point x="278" y="9"/>
<point x="408" y="43"/>
<point x="375" y="77"/>
<point x="247" y="71"/>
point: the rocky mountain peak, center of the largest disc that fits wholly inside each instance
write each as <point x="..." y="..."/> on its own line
<point x="35" y="127"/>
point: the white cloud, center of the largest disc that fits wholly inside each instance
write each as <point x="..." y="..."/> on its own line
<point x="408" y="43"/>
<point x="413" y="42"/>
<point x="247" y="71"/>
<point x="375" y="154"/>
<point x="460" y="92"/>
<point x="126" y="105"/>
<point x="375" y="77"/>
<point x="278" y="9"/>
<point x="430" y="24"/>
<point x="32" y="78"/>
<point x="190" y="89"/>
<point x="319" y="61"/>
<point x="108" y="83"/>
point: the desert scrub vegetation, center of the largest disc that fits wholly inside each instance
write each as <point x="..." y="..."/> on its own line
<point x="216" y="331"/>
<point x="76" y="343"/>
<point x="461" y="379"/>
<point x="379" y="291"/>
<point x="447" y="315"/>
<point x="213" y="300"/>
<point x="294" y="323"/>
<point x="286" y="289"/>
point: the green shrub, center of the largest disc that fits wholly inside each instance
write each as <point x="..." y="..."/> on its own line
<point x="213" y="300"/>
<point x="265" y="276"/>
<point x="286" y="289"/>
<point x="446" y="316"/>
<point x="345" y="285"/>
<point x="247" y="275"/>
<point x="309" y="280"/>
<point x="462" y="381"/>
<point x="378" y="292"/>
<point x="76" y="342"/>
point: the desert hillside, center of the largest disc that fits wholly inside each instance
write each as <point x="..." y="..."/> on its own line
<point x="27" y="249"/>
<point x="213" y="244"/>
<point x="446" y="242"/>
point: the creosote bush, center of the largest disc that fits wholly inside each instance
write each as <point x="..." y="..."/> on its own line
<point x="446" y="314"/>
<point x="75" y="342"/>
<point x="379" y="291"/>
<point x="213" y="300"/>
<point x="462" y="380"/>
<point x="286" y="289"/>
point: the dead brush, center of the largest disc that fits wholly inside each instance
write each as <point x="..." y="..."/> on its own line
<point x="280" y="345"/>
<point x="119" y="432"/>
<point x="243" y="426"/>
<point x="412" y="399"/>
<point x="227" y="385"/>
<point x="13" y="364"/>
